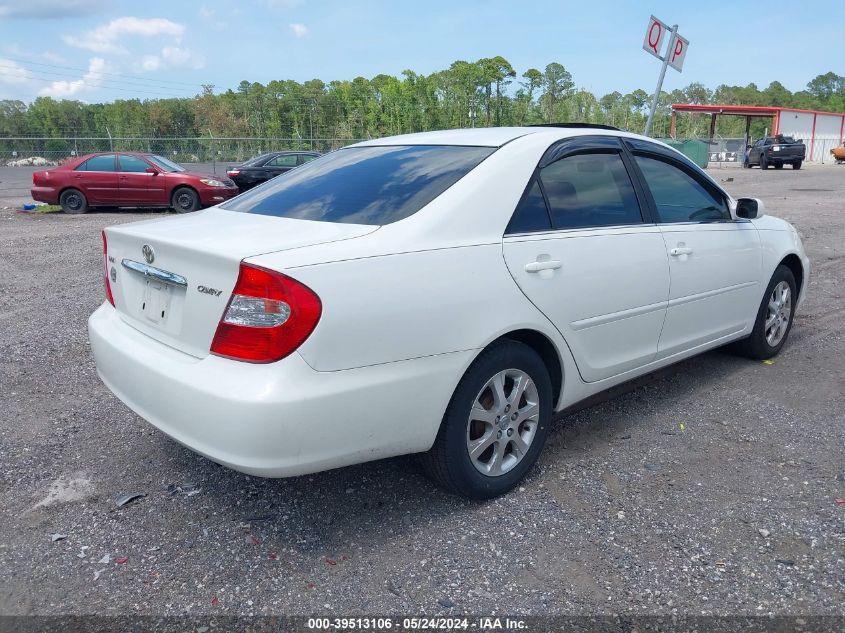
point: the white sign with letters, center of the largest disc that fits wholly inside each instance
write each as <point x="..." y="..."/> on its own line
<point x="654" y="35"/>
<point x="677" y="51"/>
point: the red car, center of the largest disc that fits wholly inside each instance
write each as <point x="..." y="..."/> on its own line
<point x="128" y="179"/>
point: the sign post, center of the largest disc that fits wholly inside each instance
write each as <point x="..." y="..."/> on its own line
<point x="674" y="56"/>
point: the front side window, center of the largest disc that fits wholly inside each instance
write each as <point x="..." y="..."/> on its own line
<point x="363" y="185"/>
<point x="132" y="164"/>
<point x="678" y="196"/>
<point x="288" y="160"/>
<point x="588" y="190"/>
<point x="98" y="163"/>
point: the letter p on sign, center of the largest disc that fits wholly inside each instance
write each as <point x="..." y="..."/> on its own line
<point x="677" y="52"/>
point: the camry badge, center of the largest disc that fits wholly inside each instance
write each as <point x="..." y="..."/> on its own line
<point x="148" y="253"/>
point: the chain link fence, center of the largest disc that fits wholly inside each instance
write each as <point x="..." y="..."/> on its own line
<point x="50" y="151"/>
<point x="25" y="150"/>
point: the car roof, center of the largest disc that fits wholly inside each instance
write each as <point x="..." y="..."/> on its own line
<point x="497" y="136"/>
<point x="118" y="152"/>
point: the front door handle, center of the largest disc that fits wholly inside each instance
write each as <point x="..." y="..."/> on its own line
<point x="680" y="250"/>
<point x="536" y="267"/>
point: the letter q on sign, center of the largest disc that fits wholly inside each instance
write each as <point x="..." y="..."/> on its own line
<point x="654" y="35"/>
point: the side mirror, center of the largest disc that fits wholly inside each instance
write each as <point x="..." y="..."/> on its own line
<point x="749" y="208"/>
<point x="152" y="170"/>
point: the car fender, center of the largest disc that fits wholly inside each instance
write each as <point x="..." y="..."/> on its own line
<point x="778" y="240"/>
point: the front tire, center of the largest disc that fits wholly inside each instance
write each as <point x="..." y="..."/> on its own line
<point x="73" y="201"/>
<point x="796" y="164"/>
<point x="185" y="200"/>
<point x="495" y="425"/>
<point x="774" y="317"/>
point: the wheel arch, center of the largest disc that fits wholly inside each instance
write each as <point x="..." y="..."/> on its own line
<point x="184" y="186"/>
<point x="793" y="262"/>
<point x="546" y="350"/>
<point x="68" y="188"/>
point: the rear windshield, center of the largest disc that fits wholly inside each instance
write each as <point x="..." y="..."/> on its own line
<point x="363" y="185"/>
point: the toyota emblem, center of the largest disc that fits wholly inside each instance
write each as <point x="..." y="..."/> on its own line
<point x="148" y="253"/>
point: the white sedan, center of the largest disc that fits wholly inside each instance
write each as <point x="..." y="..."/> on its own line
<point x="442" y="293"/>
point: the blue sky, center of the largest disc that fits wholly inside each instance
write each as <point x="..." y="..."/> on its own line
<point x="100" y="50"/>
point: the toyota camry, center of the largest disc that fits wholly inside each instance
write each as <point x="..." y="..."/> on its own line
<point x="442" y="293"/>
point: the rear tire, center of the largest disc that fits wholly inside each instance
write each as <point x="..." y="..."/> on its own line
<point x="501" y="413"/>
<point x="796" y="164"/>
<point x="185" y="200"/>
<point x="73" y="201"/>
<point x="774" y="317"/>
<point x="764" y="164"/>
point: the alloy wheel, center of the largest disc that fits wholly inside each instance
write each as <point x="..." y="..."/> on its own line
<point x="503" y="422"/>
<point x="778" y="313"/>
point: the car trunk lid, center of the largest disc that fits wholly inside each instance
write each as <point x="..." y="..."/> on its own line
<point x="172" y="278"/>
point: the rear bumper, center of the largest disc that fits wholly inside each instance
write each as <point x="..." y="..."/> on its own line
<point x="276" y="420"/>
<point x="777" y="157"/>
<point x="45" y="194"/>
<point x="215" y="195"/>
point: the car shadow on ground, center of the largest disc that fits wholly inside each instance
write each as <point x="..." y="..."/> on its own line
<point x="324" y="510"/>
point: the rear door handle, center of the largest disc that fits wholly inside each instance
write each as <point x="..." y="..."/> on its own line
<point x="680" y="250"/>
<point x="536" y="267"/>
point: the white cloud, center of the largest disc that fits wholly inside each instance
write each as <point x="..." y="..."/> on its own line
<point x="104" y="38"/>
<point x="172" y="57"/>
<point x="12" y="73"/>
<point x="299" y="30"/>
<point x="91" y="79"/>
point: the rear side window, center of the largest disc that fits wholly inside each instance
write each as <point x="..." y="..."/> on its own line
<point x="363" y="185"/>
<point x="678" y="196"/>
<point x="590" y="190"/>
<point x="531" y="214"/>
<point x="98" y="163"/>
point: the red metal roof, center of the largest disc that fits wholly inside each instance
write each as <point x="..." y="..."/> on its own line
<point x="742" y="110"/>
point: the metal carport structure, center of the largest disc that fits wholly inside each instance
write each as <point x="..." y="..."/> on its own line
<point x="819" y="130"/>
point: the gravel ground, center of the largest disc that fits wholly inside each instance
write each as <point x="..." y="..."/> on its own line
<point x="708" y="488"/>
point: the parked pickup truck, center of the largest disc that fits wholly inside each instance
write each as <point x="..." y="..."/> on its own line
<point x="776" y="150"/>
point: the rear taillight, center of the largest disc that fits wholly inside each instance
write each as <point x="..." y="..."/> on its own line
<point x="109" y="295"/>
<point x="268" y="316"/>
<point x="35" y="178"/>
<point x="233" y="172"/>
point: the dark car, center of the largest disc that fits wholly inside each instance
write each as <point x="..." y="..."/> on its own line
<point x="777" y="150"/>
<point x="263" y="168"/>
<point x="128" y="179"/>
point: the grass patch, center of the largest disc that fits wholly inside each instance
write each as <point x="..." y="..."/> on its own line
<point x="46" y="208"/>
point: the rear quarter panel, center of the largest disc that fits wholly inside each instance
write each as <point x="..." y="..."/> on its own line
<point x="410" y="305"/>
